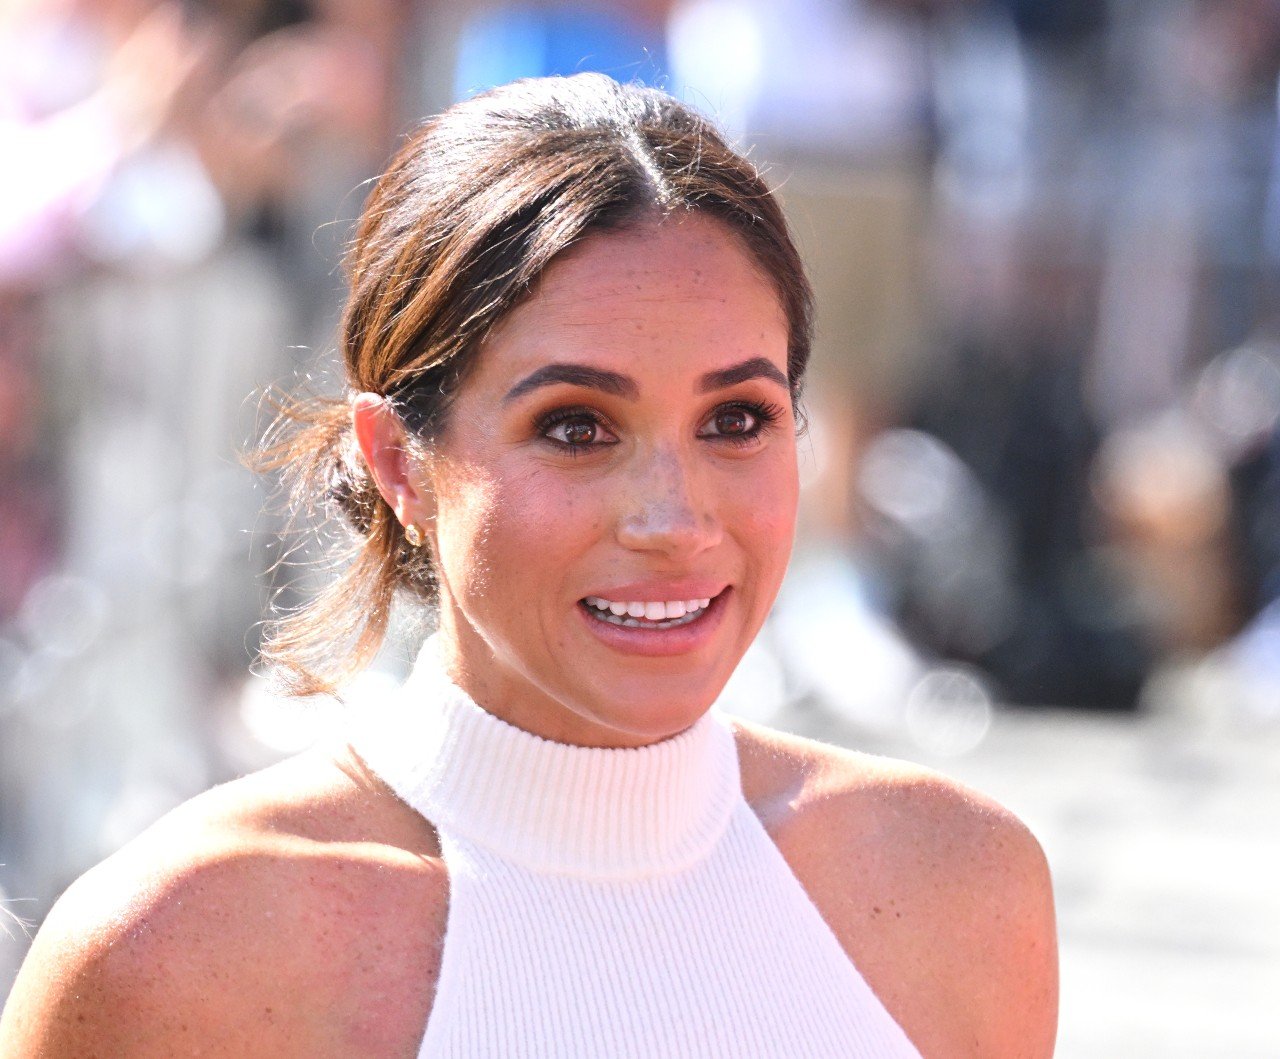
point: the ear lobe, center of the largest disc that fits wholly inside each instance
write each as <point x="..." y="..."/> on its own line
<point x="380" y="434"/>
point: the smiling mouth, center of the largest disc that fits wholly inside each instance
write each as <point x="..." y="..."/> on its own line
<point x="634" y="614"/>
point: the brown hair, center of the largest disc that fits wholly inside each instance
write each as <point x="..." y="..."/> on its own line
<point x="471" y="210"/>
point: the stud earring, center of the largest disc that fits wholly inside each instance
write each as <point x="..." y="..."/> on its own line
<point x="413" y="534"/>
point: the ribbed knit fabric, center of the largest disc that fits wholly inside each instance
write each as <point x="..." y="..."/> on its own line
<point x="612" y="902"/>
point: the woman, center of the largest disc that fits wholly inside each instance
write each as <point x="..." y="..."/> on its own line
<point x="575" y="339"/>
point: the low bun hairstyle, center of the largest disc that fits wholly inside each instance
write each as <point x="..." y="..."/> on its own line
<point x="473" y="207"/>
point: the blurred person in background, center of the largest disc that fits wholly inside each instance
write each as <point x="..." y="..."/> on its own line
<point x="577" y="331"/>
<point x="174" y="162"/>
<point x="1090" y="237"/>
<point x="122" y="72"/>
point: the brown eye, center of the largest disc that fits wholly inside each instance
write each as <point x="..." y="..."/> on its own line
<point x="742" y="423"/>
<point x="576" y="430"/>
<point x="732" y="421"/>
<point x="579" y="432"/>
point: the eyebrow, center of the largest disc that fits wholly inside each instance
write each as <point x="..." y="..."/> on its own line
<point x="610" y="382"/>
<point x="619" y="385"/>
<point x="755" y="368"/>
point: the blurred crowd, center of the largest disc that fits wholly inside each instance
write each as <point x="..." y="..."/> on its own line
<point x="1043" y="463"/>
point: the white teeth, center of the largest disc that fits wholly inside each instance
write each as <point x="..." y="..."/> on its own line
<point x="639" y="613"/>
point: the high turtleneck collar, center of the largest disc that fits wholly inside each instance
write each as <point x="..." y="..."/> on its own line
<point x="551" y="807"/>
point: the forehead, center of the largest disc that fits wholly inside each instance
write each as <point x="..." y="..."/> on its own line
<point x="683" y="291"/>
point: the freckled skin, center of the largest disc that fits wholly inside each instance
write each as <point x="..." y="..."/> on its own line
<point x="524" y="532"/>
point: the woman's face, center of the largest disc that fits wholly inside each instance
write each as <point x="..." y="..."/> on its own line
<point x="625" y="442"/>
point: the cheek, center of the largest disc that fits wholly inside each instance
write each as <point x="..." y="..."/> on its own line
<point x="465" y="508"/>
<point x="507" y="529"/>
<point x="764" y="517"/>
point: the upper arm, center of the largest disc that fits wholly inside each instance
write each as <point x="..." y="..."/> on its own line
<point x="38" y="1017"/>
<point x="84" y="988"/>
<point x="240" y="945"/>
<point x="291" y="912"/>
<point x="981" y="899"/>
<point x="1007" y="957"/>
<point x="941" y="897"/>
<point x="150" y="974"/>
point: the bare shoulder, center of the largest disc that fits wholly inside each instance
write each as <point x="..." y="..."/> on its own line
<point x="866" y="795"/>
<point x="267" y="916"/>
<point x="941" y="896"/>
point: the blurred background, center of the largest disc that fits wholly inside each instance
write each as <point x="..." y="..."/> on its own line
<point x="1040" y="543"/>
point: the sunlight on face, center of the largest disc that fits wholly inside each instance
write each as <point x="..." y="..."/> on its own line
<point x="616" y="489"/>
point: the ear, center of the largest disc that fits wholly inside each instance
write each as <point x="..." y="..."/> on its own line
<point x="381" y="437"/>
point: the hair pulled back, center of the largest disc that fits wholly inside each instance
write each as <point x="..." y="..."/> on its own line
<point x="470" y="211"/>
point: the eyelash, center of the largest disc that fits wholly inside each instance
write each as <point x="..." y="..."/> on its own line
<point x="765" y="414"/>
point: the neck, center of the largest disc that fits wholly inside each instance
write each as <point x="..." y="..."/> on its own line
<point x="590" y="811"/>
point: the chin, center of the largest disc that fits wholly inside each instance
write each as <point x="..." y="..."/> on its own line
<point x="645" y="708"/>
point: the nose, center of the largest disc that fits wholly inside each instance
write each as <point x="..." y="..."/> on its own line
<point x="668" y="511"/>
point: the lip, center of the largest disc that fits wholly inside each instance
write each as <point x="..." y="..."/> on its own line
<point x="660" y="591"/>
<point x="661" y="643"/>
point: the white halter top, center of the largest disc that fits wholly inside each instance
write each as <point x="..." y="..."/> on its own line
<point x="612" y="902"/>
